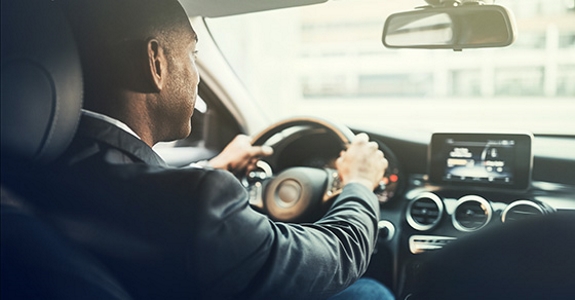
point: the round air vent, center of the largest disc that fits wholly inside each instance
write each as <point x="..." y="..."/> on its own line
<point x="521" y="209"/>
<point x="471" y="213"/>
<point x="424" y="212"/>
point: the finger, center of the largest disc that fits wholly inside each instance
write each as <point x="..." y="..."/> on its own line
<point x="385" y="163"/>
<point x="267" y="150"/>
<point x="362" y="137"/>
<point x="373" y="145"/>
<point x="241" y="140"/>
<point x="252" y="165"/>
<point x="259" y="151"/>
<point x="243" y="137"/>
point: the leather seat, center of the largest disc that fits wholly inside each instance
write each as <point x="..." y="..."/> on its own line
<point x="528" y="259"/>
<point x="41" y="104"/>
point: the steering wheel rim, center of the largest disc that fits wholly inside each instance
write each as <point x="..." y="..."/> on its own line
<point x="342" y="132"/>
<point x="299" y="194"/>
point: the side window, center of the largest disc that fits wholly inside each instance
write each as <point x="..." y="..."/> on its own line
<point x="196" y="138"/>
<point x="213" y="127"/>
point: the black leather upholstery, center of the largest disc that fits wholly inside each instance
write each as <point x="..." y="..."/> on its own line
<point x="39" y="263"/>
<point x="41" y="103"/>
<point x="529" y="259"/>
<point x="41" y="80"/>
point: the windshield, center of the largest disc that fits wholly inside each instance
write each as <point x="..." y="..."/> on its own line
<point x="328" y="60"/>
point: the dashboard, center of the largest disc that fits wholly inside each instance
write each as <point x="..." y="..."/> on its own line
<point x="458" y="184"/>
<point x="442" y="188"/>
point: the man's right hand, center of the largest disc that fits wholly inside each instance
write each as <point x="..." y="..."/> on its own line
<point x="240" y="156"/>
<point x="362" y="162"/>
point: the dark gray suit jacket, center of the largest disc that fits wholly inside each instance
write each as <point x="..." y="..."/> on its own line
<point x="173" y="233"/>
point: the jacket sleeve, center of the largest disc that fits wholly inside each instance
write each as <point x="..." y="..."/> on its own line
<point x="234" y="246"/>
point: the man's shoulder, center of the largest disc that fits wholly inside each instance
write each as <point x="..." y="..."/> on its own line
<point x="100" y="140"/>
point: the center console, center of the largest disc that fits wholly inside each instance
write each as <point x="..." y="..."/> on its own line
<point x="474" y="181"/>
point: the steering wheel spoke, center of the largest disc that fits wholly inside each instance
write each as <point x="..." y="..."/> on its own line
<point x="255" y="192"/>
<point x="334" y="185"/>
<point x="255" y="182"/>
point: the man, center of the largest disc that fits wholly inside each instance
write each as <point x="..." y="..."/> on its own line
<point x="189" y="233"/>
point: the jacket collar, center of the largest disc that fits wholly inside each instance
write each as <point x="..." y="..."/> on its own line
<point x="111" y="135"/>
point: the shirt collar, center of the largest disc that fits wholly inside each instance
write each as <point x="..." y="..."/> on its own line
<point x="112" y="121"/>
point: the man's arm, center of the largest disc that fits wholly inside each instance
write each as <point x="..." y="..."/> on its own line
<point x="242" y="250"/>
<point x="237" y="248"/>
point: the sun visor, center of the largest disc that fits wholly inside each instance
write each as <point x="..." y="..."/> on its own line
<point x="221" y="8"/>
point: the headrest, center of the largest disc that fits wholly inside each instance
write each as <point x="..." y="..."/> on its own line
<point x="41" y="80"/>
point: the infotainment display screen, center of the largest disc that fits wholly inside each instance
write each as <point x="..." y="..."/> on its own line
<point x="494" y="160"/>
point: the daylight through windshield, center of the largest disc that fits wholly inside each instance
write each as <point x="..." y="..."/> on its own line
<point x="328" y="60"/>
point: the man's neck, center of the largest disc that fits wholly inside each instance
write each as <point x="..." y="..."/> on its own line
<point x="127" y="108"/>
<point x="111" y="120"/>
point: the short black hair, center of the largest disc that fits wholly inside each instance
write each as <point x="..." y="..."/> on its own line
<point x="108" y="31"/>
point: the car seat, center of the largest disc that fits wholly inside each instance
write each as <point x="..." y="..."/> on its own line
<point x="527" y="259"/>
<point x="41" y="102"/>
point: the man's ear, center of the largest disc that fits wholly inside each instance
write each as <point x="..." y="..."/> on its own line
<point x="157" y="66"/>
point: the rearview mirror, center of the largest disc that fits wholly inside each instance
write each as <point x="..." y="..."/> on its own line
<point x="458" y="27"/>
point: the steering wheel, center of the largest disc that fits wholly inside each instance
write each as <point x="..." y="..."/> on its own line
<point x="297" y="193"/>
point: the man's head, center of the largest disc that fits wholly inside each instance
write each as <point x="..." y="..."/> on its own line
<point x="138" y="64"/>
